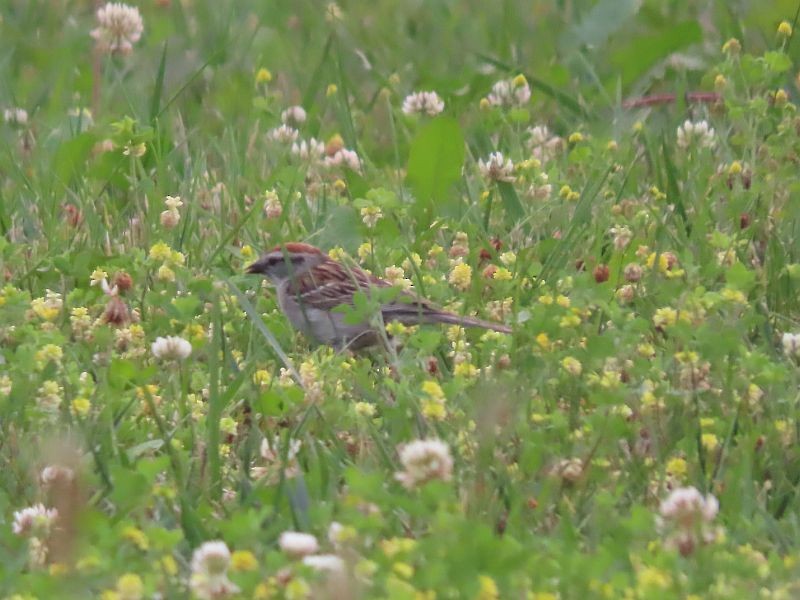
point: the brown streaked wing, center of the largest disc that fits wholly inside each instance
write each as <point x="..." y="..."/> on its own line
<point x="330" y="284"/>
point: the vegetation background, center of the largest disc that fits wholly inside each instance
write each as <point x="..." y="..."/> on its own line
<point x="646" y="256"/>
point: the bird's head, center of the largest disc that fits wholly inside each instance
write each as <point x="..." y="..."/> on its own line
<point x="286" y="261"/>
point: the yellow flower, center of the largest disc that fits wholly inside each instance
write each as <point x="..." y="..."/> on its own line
<point x="364" y="251"/>
<point x="404" y="570"/>
<point x="332" y="89"/>
<point x="466" y="370"/>
<point x="160" y="251"/>
<point x="646" y="350"/>
<point x="488" y="588"/>
<point x="544" y="341"/>
<point x="263" y="75"/>
<point x="732" y="47"/>
<point x="48" y="353"/>
<point x="569" y="321"/>
<point x="785" y="29"/>
<point x="130" y="587"/>
<point x="262" y="378"/>
<point x="243" y="560"/>
<point x="572" y="365"/>
<point x="433" y="389"/>
<point x="575" y="138"/>
<point x="168" y="565"/>
<point x="395" y="328"/>
<point x="519" y="81"/>
<point x="136" y="536"/>
<point x="650" y="578"/>
<point x="166" y="274"/>
<point x="391" y="547"/>
<point x="677" y="467"/>
<point x="247" y="252"/>
<point x="665" y="317"/>
<point x="563" y="301"/>
<point x="80" y="406"/>
<point x="365" y="409"/>
<point x="461" y="276"/>
<point x="434" y="410"/>
<point x="97" y="276"/>
<point x="735" y="168"/>
<point x="502" y="274"/>
<point x="709" y="441"/>
<point x="297" y="589"/>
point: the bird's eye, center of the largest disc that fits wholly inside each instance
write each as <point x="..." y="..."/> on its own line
<point x="296" y="260"/>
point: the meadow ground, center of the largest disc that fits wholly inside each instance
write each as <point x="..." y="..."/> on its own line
<point x="615" y="180"/>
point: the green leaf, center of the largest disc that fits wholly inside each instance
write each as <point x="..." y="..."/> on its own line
<point x="740" y="277"/>
<point x="601" y="22"/>
<point x="778" y="62"/>
<point x="511" y="201"/>
<point x="643" y="52"/>
<point x="121" y="372"/>
<point x="342" y="228"/>
<point x="435" y="159"/>
<point x="144" y="448"/>
<point x="186" y="306"/>
<point x="71" y="157"/>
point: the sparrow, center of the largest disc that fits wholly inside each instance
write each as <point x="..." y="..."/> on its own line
<point x="309" y="285"/>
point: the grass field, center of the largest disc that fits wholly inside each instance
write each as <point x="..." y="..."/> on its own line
<point x="616" y="180"/>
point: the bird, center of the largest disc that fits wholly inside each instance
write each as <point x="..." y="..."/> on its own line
<point x="310" y="285"/>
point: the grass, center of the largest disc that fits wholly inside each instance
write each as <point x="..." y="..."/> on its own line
<point x="649" y="269"/>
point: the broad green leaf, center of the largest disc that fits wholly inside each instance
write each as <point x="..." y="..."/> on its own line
<point x="435" y="159"/>
<point x="603" y="20"/>
<point x="643" y="52"/>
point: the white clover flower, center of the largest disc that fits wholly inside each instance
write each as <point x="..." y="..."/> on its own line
<point x="311" y="150"/>
<point x="173" y="202"/>
<point x="297" y="544"/>
<point x="543" y="144"/>
<point x="295" y="115"/>
<point x="497" y="168"/>
<point x="272" y="205"/>
<point x="284" y="134"/>
<point x="622" y="236"/>
<point x="209" y="579"/>
<point x="35" y="520"/>
<point x="275" y="461"/>
<point x="427" y="103"/>
<point x="119" y="27"/>
<point x="423" y="461"/>
<point x="53" y="473"/>
<point x="791" y="344"/>
<point x="687" y="507"/>
<point x="687" y="515"/>
<point x="343" y="157"/>
<point x="510" y="93"/>
<point x="15" y="116"/>
<point x="329" y="563"/>
<point x="171" y="348"/>
<point x="699" y="134"/>
<point x="370" y="215"/>
<point x="268" y="454"/>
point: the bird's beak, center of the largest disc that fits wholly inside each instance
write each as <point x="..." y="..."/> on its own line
<point x="255" y="268"/>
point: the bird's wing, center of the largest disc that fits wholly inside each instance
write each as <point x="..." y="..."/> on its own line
<point x="331" y="284"/>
